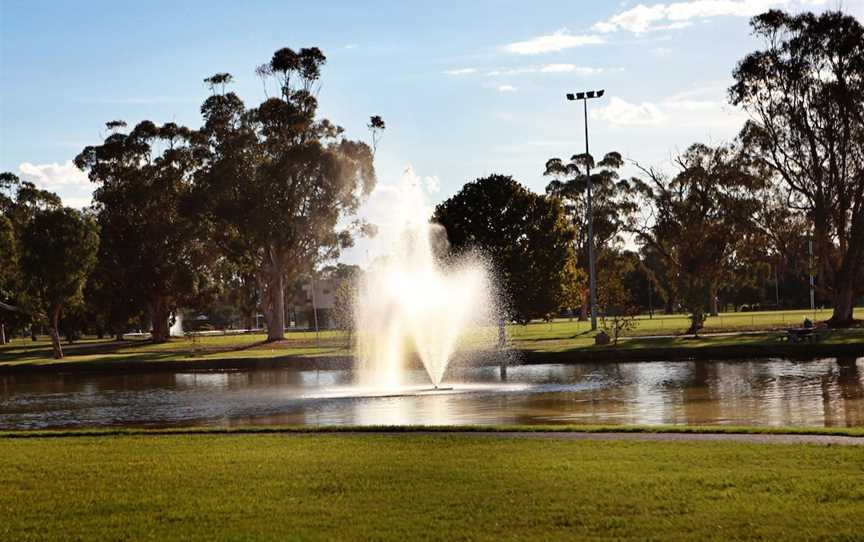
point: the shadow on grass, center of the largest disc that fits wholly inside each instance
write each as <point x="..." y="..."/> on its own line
<point x="70" y="350"/>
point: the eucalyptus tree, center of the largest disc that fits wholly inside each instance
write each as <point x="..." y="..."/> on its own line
<point x="61" y="251"/>
<point x="804" y="92"/>
<point x="613" y="201"/>
<point x="279" y="183"/>
<point x="151" y="251"/>
<point x="8" y="270"/>
<point x="20" y="201"/>
<point x="697" y="220"/>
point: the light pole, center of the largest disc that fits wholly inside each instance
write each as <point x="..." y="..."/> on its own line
<point x="812" y="285"/>
<point x="592" y="281"/>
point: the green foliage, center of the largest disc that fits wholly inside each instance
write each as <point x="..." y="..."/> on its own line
<point x="574" y="284"/>
<point x="526" y="236"/>
<point x="347" y="280"/>
<point x="8" y="259"/>
<point x="615" y="302"/>
<point x="61" y="246"/>
<point x="278" y="181"/>
<point x="700" y="218"/>
<point x="613" y="200"/>
<point x="152" y="254"/>
<point x="804" y="92"/>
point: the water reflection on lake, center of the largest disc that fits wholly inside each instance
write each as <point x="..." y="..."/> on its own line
<point x="826" y="392"/>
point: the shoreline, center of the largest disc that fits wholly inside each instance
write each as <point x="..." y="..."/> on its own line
<point x="493" y="430"/>
<point x="513" y="357"/>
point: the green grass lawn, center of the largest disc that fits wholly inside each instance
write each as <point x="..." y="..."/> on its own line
<point x="413" y="487"/>
<point x="545" y="337"/>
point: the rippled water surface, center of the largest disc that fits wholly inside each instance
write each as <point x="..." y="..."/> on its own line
<point x="826" y="392"/>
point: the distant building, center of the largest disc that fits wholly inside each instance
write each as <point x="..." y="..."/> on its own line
<point x="324" y="300"/>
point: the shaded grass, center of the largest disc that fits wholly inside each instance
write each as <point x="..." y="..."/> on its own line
<point x="558" y="336"/>
<point x="434" y="487"/>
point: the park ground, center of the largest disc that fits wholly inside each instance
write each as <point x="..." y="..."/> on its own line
<point x="220" y="486"/>
<point x="562" y="340"/>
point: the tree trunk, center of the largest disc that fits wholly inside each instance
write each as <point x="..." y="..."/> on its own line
<point x="844" y="303"/>
<point x="55" y="333"/>
<point x="583" y="310"/>
<point x="695" y="323"/>
<point x="2" y="333"/>
<point x="274" y="312"/>
<point x="669" y="307"/>
<point x="159" y="314"/>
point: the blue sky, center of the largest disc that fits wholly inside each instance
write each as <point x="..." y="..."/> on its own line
<point x="467" y="88"/>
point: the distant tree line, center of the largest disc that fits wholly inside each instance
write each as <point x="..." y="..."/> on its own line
<point x="229" y="218"/>
<point x="238" y="210"/>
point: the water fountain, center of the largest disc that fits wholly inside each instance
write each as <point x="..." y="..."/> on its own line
<point x="412" y="304"/>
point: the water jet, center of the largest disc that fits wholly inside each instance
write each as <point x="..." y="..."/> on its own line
<point x="417" y="302"/>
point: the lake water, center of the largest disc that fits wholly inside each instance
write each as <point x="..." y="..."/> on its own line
<point x="825" y="392"/>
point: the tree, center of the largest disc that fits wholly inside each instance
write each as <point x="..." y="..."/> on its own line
<point x="19" y="203"/>
<point x="60" y="252"/>
<point x="617" y="308"/>
<point x="8" y="269"/>
<point x="613" y="201"/>
<point x="574" y="281"/>
<point x="699" y="218"/>
<point x="277" y="181"/>
<point x="525" y="235"/>
<point x="805" y="95"/>
<point x="347" y="279"/>
<point x="376" y="128"/>
<point x="661" y="277"/>
<point x="151" y="251"/>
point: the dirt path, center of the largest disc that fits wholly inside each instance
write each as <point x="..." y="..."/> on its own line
<point x="653" y="437"/>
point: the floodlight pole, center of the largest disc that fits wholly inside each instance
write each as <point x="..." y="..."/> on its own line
<point x="592" y="275"/>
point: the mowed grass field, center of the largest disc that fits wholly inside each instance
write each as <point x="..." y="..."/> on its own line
<point x="423" y="487"/>
<point x="661" y="331"/>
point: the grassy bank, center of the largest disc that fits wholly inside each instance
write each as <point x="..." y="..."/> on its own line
<point x="511" y="428"/>
<point x="422" y="487"/>
<point x="560" y="340"/>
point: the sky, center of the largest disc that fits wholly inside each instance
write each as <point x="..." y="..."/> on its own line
<point x="466" y="88"/>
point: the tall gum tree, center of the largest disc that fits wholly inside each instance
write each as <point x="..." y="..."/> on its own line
<point x="613" y="200"/>
<point x="149" y="245"/>
<point x="804" y="92"/>
<point x="697" y="220"/>
<point x="278" y="181"/>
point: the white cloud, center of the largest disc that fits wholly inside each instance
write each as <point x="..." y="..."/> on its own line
<point x="700" y="107"/>
<point x="461" y="71"/>
<point x="570" y="68"/>
<point x="548" y="68"/>
<point x="558" y="41"/>
<point x="623" y="113"/>
<point x="693" y="105"/>
<point x="506" y="88"/>
<point x="53" y="176"/>
<point x="643" y="18"/>
<point x="69" y="182"/>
